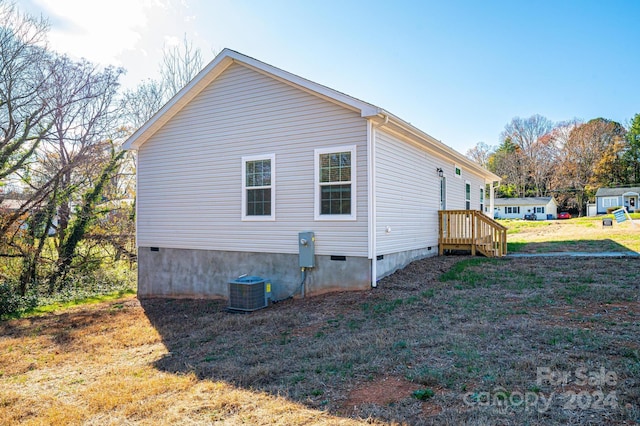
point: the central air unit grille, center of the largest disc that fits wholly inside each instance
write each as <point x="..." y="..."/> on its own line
<point x="248" y="293"/>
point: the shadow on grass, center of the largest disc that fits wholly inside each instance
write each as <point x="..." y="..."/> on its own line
<point x="313" y="351"/>
<point x="290" y="349"/>
<point x="587" y="246"/>
<point x="484" y="324"/>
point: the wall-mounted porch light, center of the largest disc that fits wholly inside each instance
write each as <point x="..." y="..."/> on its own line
<point x="440" y="172"/>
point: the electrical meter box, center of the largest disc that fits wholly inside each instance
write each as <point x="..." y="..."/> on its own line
<point x="307" y="249"/>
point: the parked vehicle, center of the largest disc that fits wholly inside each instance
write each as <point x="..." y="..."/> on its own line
<point x="564" y="215"/>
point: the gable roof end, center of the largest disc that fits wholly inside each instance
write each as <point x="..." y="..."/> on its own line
<point x="209" y="73"/>
<point x="367" y="110"/>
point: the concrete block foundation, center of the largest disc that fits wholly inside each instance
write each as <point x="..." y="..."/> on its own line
<point x="392" y="262"/>
<point x="170" y="272"/>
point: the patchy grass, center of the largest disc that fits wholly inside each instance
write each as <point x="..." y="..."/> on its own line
<point x="429" y="346"/>
<point x="61" y="306"/>
<point x="579" y="234"/>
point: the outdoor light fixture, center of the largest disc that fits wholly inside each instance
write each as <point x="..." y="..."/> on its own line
<point x="440" y="172"/>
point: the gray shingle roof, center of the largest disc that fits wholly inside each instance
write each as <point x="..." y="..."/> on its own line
<point x="615" y="192"/>
<point x="526" y="201"/>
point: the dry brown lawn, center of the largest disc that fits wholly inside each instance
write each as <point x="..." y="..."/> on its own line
<point x="580" y="234"/>
<point x="470" y="334"/>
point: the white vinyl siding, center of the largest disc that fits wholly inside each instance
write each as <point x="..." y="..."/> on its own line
<point x="408" y="194"/>
<point x="190" y="182"/>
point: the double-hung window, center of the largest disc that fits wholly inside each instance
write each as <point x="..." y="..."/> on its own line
<point x="258" y="187"/>
<point x="335" y="189"/>
<point x="610" y="202"/>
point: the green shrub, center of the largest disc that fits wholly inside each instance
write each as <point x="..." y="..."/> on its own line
<point x="79" y="285"/>
<point x="12" y="303"/>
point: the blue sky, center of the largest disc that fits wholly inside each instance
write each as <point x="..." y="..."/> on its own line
<point x="458" y="70"/>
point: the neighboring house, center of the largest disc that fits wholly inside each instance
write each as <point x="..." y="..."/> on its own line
<point x="607" y="198"/>
<point x="247" y="156"/>
<point x="10" y="206"/>
<point x="517" y="208"/>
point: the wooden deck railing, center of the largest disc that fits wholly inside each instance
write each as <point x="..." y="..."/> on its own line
<point x="471" y="230"/>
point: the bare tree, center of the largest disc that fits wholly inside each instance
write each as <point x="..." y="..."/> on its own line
<point x="82" y="118"/>
<point x="481" y="154"/>
<point x="140" y="104"/>
<point x="24" y="111"/>
<point x="582" y="155"/>
<point x="179" y="65"/>
<point x="526" y="134"/>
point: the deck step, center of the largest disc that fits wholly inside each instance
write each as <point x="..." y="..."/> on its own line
<point x="473" y="231"/>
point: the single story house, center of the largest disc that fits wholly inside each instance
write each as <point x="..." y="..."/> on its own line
<point x="247" y="156"/>
<point x="617" y="197"/>
<point x="517" y="208"/>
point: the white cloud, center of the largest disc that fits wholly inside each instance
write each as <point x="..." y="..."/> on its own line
<point x="171" y="41"/>
<point x="97" y="30"/>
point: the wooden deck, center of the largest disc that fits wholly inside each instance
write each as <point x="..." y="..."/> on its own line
<point x="473" y="231"/>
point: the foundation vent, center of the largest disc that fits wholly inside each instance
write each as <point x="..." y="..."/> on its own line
<point x="249" y="293"/>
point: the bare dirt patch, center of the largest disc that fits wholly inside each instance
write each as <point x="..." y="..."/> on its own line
<point x="381" y="391"/>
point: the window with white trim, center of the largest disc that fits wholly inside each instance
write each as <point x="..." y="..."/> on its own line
<point x="258" y="187"/>
<point x="538" y="210"/>
<point x="512" y="210"/>
<point x="335" y="189"/>
<point x="482" y="199"/>
<point x="467" y="195"/>
<point x="610" y="202"/>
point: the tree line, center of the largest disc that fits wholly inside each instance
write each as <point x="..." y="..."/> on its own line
<point x="569" y="160"/>
<point x="67" y="196"/>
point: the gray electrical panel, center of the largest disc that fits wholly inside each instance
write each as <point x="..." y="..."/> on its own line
<point x="307" y="249"/>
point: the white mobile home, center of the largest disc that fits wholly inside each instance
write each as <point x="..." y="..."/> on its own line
<point x="247" y="156"/>
<point x="540" y="208"/>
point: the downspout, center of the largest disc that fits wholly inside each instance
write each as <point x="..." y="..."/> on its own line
<point x="371" y="185"/>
